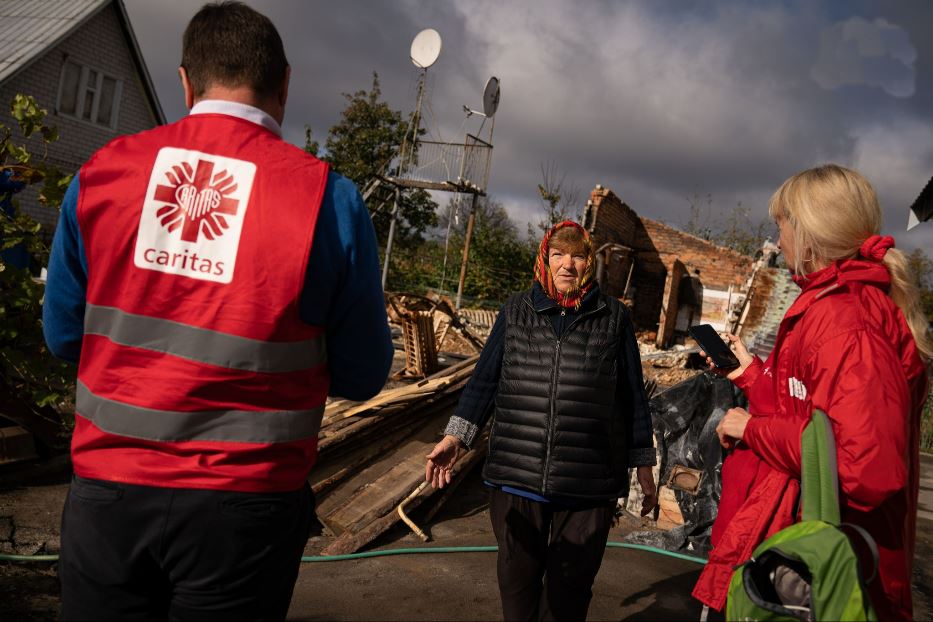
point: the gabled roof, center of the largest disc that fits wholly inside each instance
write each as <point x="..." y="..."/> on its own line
<point x="30" y="28"/>
<point x="922" y="209"/>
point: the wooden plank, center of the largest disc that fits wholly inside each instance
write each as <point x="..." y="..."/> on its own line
<point x="373" y="453"/>
<point x="400" y="394"/>
<point x="408" y="393"/>
<point x="423" y="430"/>
<point x="447" y="186"/>
<point x="380" y="496"/>
<point x="16" y="444"/>
<point x="350" y="542"/>
<point x="325" y="476"/>
<point x="478" y="453"/>
<point x="332" y="441"/>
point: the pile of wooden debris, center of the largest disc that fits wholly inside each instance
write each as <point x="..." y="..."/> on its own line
<point x="372" y="456"/>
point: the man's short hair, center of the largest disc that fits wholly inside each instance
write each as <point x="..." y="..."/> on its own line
<point x="232" y="45"/>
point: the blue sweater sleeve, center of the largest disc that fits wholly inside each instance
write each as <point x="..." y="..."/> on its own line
<point x="633" y="401"/>
<point x="479" y="395"/>
<point x="343" y="292"/>
<point x="66" y="288"/>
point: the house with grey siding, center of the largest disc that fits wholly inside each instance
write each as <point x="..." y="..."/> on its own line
<point x="81" y="61"/>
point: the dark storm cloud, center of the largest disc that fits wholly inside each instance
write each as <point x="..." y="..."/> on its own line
<point x="657" y="101"/>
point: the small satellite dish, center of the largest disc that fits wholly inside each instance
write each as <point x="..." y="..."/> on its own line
<point x="491" y="96"/>
<point x="425" y="48"/>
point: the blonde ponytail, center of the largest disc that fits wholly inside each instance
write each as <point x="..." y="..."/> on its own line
<point x="906" y="296"/>
<point x="833" y="211"/>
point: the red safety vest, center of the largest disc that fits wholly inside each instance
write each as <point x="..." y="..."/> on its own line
<point x="196" y="370"/>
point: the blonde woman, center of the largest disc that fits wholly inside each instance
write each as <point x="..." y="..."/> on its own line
<point x="855" y="345"/>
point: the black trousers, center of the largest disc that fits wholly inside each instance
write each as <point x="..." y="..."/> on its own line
<point x="145" y="553"/>
<point x="548" y="555"/>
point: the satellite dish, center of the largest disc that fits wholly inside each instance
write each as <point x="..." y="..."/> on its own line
<point x="425" y="48"/>
<point x="491" y="96"/>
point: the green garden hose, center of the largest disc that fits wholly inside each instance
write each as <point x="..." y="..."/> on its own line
<point x="406" y="551"/>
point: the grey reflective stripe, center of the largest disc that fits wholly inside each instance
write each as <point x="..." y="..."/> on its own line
<point x="203" y="345"/>
<point x="237" y="426"/>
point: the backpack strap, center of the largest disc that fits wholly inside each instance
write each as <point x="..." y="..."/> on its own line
<point x="819" y="478"/>
<point x="819" y="482"/>
<point x="869" y="544"/>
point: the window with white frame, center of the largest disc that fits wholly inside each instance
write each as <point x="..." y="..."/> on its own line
<point x="89" y="94"/>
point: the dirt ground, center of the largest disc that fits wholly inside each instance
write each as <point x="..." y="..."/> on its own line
<point x="631" y="585"/>
<point x="453" y="586"/>
<point x="462" y="586"/>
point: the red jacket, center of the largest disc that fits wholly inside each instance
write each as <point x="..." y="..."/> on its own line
<point x="845" y="348"/>
<point x="196" y="369"/>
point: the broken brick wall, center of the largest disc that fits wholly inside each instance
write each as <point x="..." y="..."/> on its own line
<point x="656" y="247"/>
<point x="609" y="219"/>
<point x="719" y="266"/>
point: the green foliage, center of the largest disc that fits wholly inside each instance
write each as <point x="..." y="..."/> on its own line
<point x="740" y="233"/>
<point x="500" y="263"/>
<point x="311" y="146"/>
<point x="921" y="267"/>
<point x="926" y="425"/>
<point x="362" y="146"/>
<point x="699" y="222"/>
<point x="736" y="230"/>
<point x="32" y="382"/>
<point x="559" y="197"/>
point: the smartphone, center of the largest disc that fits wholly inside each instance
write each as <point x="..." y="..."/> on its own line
<point x="715" y="348"/>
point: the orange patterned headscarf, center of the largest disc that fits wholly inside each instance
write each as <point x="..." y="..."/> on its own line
<point x="574" y="297"/>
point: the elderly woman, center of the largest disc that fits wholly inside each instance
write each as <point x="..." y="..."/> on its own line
<point x="561" y="376"/>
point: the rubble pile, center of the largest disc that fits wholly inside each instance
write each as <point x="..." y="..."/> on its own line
<point x="666" y="368"/>
<point x="371" y="455"/>
<point x="689" y="467"/>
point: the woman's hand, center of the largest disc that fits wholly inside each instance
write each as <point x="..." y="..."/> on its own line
<point x="648" y="488"/>
<point x="731" y="428"/>
<point x="441" y="460"/>
<point x="741" y="352"/>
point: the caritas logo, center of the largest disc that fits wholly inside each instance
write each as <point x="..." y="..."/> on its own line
<point x="193" y="214"/>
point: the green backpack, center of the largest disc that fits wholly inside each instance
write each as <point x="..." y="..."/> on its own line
<point x="810" y="570"/>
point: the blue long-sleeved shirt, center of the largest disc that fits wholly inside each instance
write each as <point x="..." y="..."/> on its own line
<point x="346" y="297"/>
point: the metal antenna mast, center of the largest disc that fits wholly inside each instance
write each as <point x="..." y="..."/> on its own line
<point x="461" y="168"/>
<point x="425" y="49"/>
<point x="490" y="105"/>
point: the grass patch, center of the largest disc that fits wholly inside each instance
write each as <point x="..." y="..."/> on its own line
<point x="926" y="425"/>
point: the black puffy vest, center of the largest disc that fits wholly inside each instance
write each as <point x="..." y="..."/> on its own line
<point x="557" y="429"/>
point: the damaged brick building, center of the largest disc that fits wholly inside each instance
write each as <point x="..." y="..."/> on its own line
<point x="674" y="280"/>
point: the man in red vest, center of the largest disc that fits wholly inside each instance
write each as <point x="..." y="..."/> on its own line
<point x="215" y="284"/>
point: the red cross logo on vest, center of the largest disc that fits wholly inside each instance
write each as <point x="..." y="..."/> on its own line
<point x="197" y="200"/>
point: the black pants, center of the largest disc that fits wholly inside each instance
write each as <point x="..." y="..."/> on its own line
<point x="144" y="553"/>
<point x="560" y="545"/>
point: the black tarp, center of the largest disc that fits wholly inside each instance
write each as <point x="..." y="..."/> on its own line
<point x="685" y="417"/>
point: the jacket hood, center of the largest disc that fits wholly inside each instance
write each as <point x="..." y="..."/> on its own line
<point x="838" y="274"/>
<point x="847" y="271"/>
